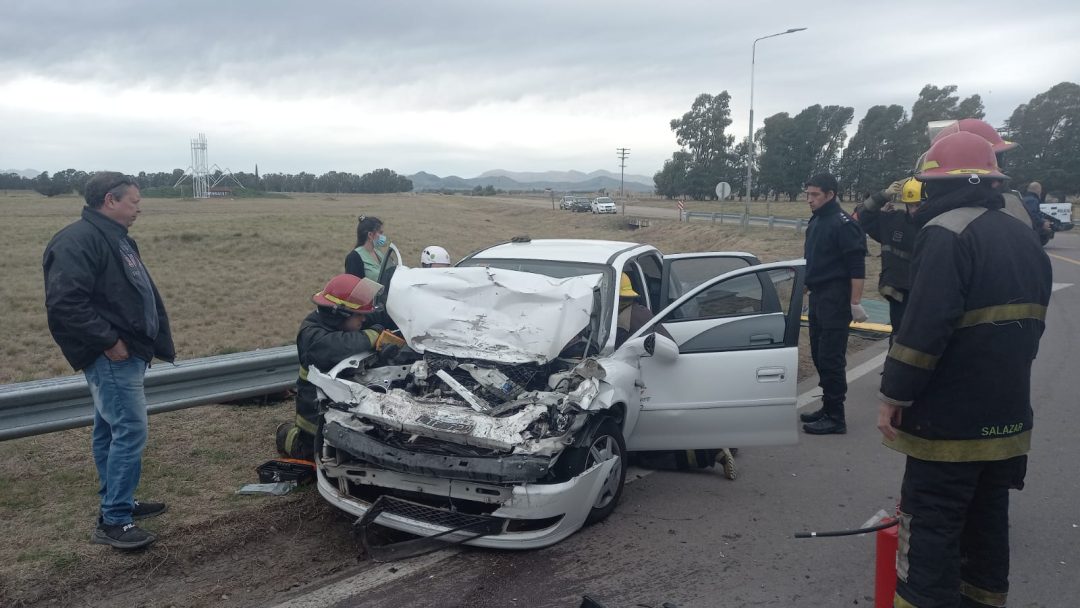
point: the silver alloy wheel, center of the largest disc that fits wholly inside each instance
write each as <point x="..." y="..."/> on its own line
<point x="604" y="448"/>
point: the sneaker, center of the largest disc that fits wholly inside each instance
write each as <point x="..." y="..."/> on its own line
<point x="122" y="536"/>
<point x="143" y="510"/>
<point x="813" y="416"/>
<point x="827" y="425"/>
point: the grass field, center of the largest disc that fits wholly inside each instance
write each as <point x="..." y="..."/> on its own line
<point x="235" y="275"/>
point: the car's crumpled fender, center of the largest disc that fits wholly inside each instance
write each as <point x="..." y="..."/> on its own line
<point x="574" y="497"/>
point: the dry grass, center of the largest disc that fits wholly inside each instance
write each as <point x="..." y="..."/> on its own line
<point x="236" y="275"/>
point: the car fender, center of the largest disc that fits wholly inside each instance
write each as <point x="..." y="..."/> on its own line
<point x="574" y="498"/>
<point x="621" y="385"/>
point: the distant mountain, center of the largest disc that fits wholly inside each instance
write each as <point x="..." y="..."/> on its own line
<point x="559" y="181"/>
<point x="27" y="173"/>
<point x="564" y="176"/>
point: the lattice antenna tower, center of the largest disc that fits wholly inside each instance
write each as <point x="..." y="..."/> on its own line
<point x="198" y="172"/>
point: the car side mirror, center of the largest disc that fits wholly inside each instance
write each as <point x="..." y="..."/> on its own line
<point x="652" y="345"/>
<point x="662" y="347"/>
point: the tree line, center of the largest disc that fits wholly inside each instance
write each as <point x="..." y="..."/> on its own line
<point x="379" y="181"/>
<point x="885" y="146"/>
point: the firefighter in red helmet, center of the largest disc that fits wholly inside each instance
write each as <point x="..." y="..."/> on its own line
<point x="956" y="396"/>
<point x="1015" y="203"/>
<point x="333" y="331"/>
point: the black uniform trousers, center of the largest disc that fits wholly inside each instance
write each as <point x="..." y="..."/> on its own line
<point x="830" y="316"/>
<point x="954" y="532"/>
<point x="896" y="314"/>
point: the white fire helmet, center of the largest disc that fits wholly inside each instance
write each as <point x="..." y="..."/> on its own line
<point x="434" y="255"/>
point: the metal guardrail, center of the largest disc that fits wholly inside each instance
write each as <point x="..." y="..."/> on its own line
<point x="56" y="404"/>
<point x="737" y="218"/>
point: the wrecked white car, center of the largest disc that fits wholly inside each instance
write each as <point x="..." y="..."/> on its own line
<point x="507" y="420"/>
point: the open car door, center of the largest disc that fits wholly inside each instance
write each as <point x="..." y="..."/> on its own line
<point x="733" y="383"/>
<point x="390" y="263"/>
<point x="685" y="271"/>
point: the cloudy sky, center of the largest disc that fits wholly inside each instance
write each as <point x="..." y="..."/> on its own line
<point x="462" y="87"/>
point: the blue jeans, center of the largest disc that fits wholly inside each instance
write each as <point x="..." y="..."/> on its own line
<point x="119" y="432"/>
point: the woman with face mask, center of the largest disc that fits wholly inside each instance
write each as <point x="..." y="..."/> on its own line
<point x="366" y="260"/>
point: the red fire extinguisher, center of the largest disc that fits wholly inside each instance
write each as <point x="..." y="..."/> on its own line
<point x="885" y="562"/>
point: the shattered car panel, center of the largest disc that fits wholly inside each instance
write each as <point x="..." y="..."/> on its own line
<point x="493" y="314"/>
<point x="525" y="422"/>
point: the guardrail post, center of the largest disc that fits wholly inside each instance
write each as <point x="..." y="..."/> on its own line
<point x="771" y="219"/>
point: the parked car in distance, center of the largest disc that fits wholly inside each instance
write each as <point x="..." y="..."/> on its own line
<point x="581" y="203"/>
<point x="508" y="420"/>
<point x="603" y="204"/>
<point x="566" y="203"/>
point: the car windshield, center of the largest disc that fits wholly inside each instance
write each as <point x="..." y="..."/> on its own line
<point x="562" y="270"/>
<point x="580" y="199"/>
<point x="603" y="200"/>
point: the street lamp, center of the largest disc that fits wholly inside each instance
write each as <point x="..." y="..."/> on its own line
<point x="750" y="137"/>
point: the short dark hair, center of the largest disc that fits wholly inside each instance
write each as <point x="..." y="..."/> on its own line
<point x="366" y="224"/>
<point x="104" y="182"/>
<point x="825" y="181"/>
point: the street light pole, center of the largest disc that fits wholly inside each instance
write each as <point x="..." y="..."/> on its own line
<point x="750" y="136"/>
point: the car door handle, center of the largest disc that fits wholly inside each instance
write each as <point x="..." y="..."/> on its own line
<point x="771" y="374"/>
<point x="759" y="339"/>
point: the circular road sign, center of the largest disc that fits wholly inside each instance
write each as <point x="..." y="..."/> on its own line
<point x="723" y="190"/>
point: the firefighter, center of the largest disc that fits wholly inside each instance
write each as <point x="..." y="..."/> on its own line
<point x="632" y="315"/>
<point x="955" y="392"/>
<point x="1014" y="204"/>
<point x="333" y="331"/>
<point x="895" y="229"/>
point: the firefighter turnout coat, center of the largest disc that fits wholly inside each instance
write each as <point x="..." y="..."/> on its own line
<point x="960" y="365"/>
<point x="893" y="227"/>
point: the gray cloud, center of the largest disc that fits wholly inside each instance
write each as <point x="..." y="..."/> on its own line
<point x="612" y="60"/>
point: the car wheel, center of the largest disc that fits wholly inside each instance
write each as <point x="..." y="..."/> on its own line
<point x="605" y="442"/>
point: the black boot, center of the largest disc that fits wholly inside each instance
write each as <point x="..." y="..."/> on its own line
<point x="280" y="435"/>
<point x="814" y="416"/>
<point x="827" y="425"/>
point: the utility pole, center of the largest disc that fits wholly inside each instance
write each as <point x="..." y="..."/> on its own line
<point x="622" y="153"/>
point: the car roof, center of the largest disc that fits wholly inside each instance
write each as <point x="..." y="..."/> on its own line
<point x="559" y="250"/>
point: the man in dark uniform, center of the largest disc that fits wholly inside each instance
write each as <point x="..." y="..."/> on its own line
<point x="895" y="229"/>
<point x="956" y="391"/>
<point x="333" y="331"/>
<point x="835" y="253"/>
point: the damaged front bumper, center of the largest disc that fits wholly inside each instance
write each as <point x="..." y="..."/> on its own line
<point x="509" y="468"/>
<point x="560" y="507"/>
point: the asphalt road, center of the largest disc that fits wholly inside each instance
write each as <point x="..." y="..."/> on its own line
<point x="697" y="539"/>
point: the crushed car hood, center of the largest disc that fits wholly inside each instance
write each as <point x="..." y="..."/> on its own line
<point x="498" y="315"/>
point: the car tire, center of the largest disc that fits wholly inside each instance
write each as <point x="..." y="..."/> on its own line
<point x="604" y="441"/>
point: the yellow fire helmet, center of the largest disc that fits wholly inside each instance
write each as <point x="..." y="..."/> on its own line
<point x="626" y="290"/>
<point x="911" y="191"/>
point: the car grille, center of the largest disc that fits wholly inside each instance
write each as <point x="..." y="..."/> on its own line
<point x="436" y="516"/>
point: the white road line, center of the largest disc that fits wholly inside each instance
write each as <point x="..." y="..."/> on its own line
<point x="368" y="579"/>
<point x="1058" y="286"/>
<point x="853" y="374"/>
<point x="385" y="573"/>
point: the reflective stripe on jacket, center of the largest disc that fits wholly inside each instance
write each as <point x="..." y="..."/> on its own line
<point x="961" y="364"/>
